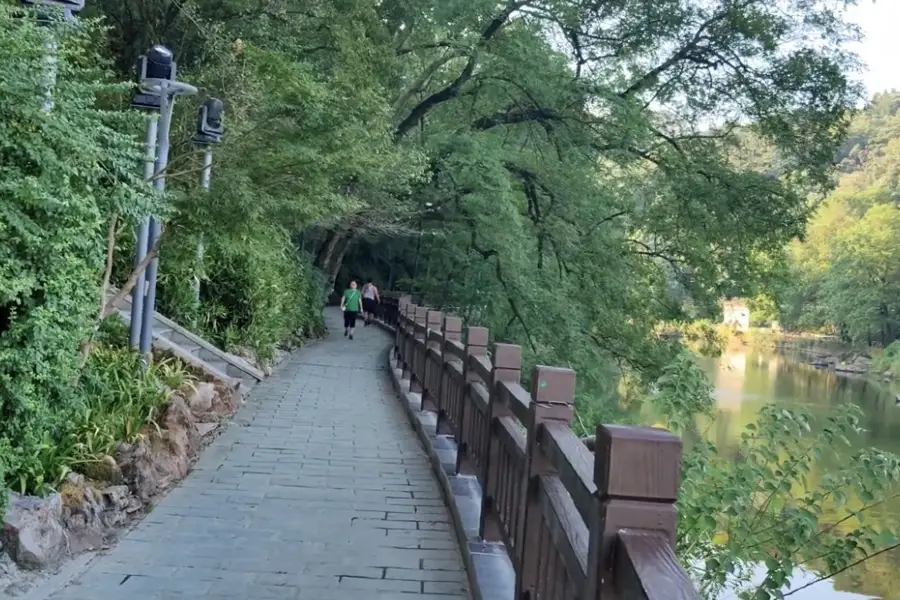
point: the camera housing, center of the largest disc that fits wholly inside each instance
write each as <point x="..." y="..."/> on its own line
<point x="209" y="121"/>
<point x="157" y="65"/>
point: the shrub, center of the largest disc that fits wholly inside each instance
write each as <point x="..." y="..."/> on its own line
<point x="256" y="291"/>
<point x="63" y="173"/>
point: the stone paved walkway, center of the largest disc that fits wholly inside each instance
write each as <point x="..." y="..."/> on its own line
<point x="319" y="490"/>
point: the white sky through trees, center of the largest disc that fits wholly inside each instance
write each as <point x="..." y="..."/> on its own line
<point x="880" y="23"/>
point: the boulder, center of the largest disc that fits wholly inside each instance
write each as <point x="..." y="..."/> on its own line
<point x="157" y="462"/>
<point x="204" y="429"/>
<point x="138" y="469"/>
<point x="202" y="397"/>
<point x="117" y="502"/>
<point x="181" y="427"/>
<point x="228" y="398"/>
<point x="33" y="534"/>
<point x="105" y="468"/>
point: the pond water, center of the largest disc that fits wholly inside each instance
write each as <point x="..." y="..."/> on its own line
<point x="746" y="380"/>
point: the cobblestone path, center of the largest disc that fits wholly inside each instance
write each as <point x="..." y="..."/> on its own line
<point x="318" y="490"/>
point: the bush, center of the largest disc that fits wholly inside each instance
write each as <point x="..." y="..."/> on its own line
<point x="794" y="495"/>
<point x="256" y="290"/>
<point x="887" y="359"/>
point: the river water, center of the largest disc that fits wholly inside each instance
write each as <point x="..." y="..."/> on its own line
<point x="746" y="380"/>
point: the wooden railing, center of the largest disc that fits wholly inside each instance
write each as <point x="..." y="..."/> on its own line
<point x="576" y="524"/>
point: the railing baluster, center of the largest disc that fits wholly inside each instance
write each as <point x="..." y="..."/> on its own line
<point x="476" y="345"/>
<point x="433" y="321"/>
<point x="552" y="393"/>
<point x="408" y="336"/>
<point x="418" y="353"/>
<point x="452" y="333"/>
<point x="507" y="367"/>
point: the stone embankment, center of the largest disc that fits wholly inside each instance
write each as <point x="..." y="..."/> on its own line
<point x="93" y="507"/>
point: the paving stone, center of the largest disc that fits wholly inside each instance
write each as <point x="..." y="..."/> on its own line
<point x="319" y="490"/>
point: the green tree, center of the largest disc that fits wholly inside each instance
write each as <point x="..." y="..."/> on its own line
<point x="824" y="284"/>
<point x="862" y="287"/>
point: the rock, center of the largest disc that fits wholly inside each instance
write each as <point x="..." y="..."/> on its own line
<point x="205" y="429"/>
<point x="76" y="479"/>
<point x="116" y="502"/>
<point x="180" y="426"/>
<point x="201" y="399"/>
<point x="158" y="461"/>
<point x="33" y="534"/>
<point x="105" y="468"/>
<point x="89" y="513"/>
<point x="136" y="462"/>
<point x="227" y="399"/>
<point x="16" y="589"/>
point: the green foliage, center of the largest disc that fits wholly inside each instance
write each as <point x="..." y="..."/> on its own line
<point x="116" y="399"/>
<point x="120" y="398"/>
<point x="886" y="360"/>
<point x="765" y="504"/>
<point x="844" y="275"/>
<point x="62" y="173"/>
<point x="255" y="291"/>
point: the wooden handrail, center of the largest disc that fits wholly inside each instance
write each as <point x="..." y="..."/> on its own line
<point x="581" y="519"/>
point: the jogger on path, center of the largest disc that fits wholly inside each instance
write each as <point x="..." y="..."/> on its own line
<point x="350" y="304"/>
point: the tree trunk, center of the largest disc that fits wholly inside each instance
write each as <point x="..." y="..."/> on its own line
<point x="331" y="254"/>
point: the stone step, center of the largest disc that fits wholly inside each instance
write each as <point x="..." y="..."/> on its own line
<point x="197" y="352"/>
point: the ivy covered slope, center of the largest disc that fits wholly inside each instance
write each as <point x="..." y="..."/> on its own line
<point x="63" y="173"/>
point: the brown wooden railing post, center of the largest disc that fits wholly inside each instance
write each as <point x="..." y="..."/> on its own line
<point x="452" y="333"/>
<point x="398" y="329"/>
<point x="433" y="321"/>
<point x="552" y="399"/>
<point x="415" y="382"/>
<point x="402" y="300"/>
<point x="507" y="366"/>
<point x="476" y="345"/>
<point x="636" y="471"/>
<point x="406" y="345"/>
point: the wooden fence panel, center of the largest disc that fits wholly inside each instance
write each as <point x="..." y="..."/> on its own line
<point x="578" y="522"/>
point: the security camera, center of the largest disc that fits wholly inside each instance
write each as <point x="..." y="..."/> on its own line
<point x="209" y="121"/>
<point x="158" y="64"/>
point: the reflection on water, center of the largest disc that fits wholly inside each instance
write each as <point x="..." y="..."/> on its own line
<point x="744" y="381"/>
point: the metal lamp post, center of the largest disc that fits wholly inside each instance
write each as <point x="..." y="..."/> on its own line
<point x="69" y="8"/>
<point x="209" y="132"/>
<point x="157" y="63"/>
<point x="157" y="77"/>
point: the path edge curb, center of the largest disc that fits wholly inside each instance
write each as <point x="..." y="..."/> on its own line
<point x="495" y="580"/>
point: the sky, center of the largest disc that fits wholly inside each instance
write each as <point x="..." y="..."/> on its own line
<point x="880" y="49"/>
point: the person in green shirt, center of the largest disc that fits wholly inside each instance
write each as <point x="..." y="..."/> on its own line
<point x="350" y="304"/>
